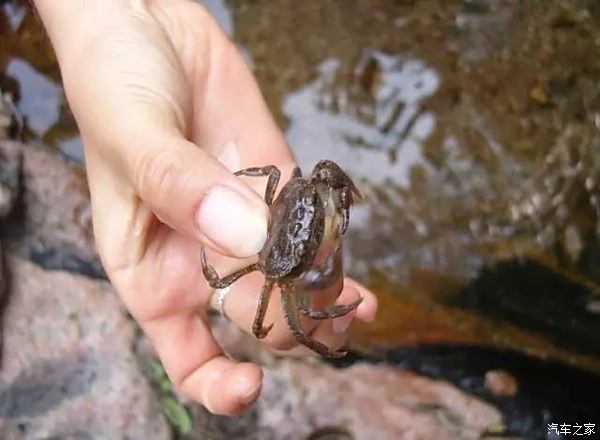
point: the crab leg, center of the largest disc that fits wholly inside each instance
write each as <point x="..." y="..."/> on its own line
<point x="290" y="311"/>
<point x="324" y="275"/>
<point x="212" y="276"/>
<point x="258" y="329"/>
<point x="329" y="312"/>
<point x="271" y="171"/>
<point x="345" y="200"/>
<point x="331" y="175"/>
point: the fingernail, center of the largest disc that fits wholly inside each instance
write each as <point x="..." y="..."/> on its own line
<point x="368" y="316"/>
<point x="233" y="221"/>
<point x="341" y="324"/>
<point x="248" y="391"/>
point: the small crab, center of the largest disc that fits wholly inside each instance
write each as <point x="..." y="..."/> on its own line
<point x="303" y="247"/>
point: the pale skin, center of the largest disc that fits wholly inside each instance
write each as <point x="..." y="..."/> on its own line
<point x="158" y="92"/>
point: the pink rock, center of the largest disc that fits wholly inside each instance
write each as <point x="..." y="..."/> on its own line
<point x="302" y="397"/>
<point x="11" y="154"/>
<point x="370" y="402"/>
<point x="68" y="368"/>
<point x="501" y="383"/>
<point x="56" y="230"/>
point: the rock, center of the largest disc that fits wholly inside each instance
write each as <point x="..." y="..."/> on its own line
<point x="56" y="231"/>
<point x="11" y="122"/>
<point x="68" y="367"/>
<point x="303" y="398"/>
<point x="11" y="154"/>
<point x="370" y="401"/>
<point x="501" y="383"/>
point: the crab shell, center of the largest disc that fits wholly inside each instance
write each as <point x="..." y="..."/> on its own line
<point x="304" y="231"/>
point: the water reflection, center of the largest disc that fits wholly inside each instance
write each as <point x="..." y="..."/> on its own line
<point x="376" y="119"/>
<point x="372" y="119"/>
<point x="444" y="191"/>
<point x="15" y="13"/>
<point x="30" y="74"/>
<point x="39" y="97"/>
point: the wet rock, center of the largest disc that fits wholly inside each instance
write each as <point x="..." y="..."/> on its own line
<point x="370" y="401"/>
<point x="5" y="117"/>
<point x="55" y="229"/>
<point x="4" y="281"/>
<point x="11" y="122"/>
<point x="11" y="154"/>
<point x="301" y="398"/>
<point x="501" y="383"/>
<point x="68" y="350"/>
<point x="537" y="298"/>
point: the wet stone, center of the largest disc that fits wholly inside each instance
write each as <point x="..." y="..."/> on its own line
<point x="501" y="383"/>
<point x="10" y="122"/>
<point x="68" y="350"/>
<point x="534" y="297"/>
<point x="54" y="228"/>
<point x="311" y="399"/>
<point x="369" y="401"/>
<point x="11" y="154"/>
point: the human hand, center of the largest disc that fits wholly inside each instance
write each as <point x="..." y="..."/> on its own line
<point x="167" y="108"/>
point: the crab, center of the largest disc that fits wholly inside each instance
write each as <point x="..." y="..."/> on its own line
<point x="302" y="253"/>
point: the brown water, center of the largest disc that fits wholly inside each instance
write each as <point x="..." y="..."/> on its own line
<point x="473" y="128"/>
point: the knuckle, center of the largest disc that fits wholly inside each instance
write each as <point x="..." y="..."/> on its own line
<point x="155" y="173"/>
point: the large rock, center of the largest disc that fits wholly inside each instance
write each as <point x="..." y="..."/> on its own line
<point x="304" y="399"/>
<point x="10" y="121"/>
<point x="68" y="367"/>
<point x="54" y="228"/>
<point x="370" y="402"/>
<point x="11" y="154"/>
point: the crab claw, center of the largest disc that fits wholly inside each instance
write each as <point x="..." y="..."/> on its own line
<point x="262" y="332"/>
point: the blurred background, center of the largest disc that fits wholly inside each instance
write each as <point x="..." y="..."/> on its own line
<point x="473" y="128"/>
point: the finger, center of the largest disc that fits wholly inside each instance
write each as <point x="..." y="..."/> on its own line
<point x="229" y="108"/>
<point x="241" y="304"/>
<point x="145" y="100"/>
<point x="367" y="309"/>
<point x="341" y="324"/>
<point x="322" y="333"/>
<point x="165" y="292"/>
<point x="238" y="112"/>
<point x="331" y="332"/>
<point x="196" y="365"/>
<point x="193" y="193"/>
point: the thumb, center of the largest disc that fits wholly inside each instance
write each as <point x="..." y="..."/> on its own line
<point x="193" y="193"/>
